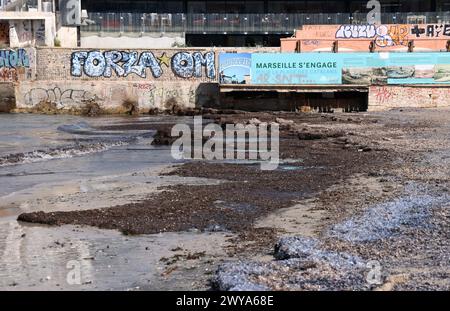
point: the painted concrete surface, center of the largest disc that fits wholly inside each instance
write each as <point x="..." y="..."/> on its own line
<point x="70" y="79"/>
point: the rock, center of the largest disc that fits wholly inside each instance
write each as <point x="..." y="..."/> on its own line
<point x="215" y="228"/>
<point x="294" y="247"/>
<point x="309" y="136"/>
<point x="91" y="108"/>
<point x="254" y="121"/>
<point x="163" y="137"/>
<point x="282" y="121"/>
<point x="306" y="248"/>
<point x="154" y="111"/>
<point x="235" y="277"/>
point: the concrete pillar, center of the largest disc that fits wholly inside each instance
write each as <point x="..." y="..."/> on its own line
<point x="39" y="5"/>
<point x="50" y="31"/>
<point x="13" y="35"/>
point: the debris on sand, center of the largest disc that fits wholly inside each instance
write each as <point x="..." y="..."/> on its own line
<point x="308" y="249"/>
<point x="385" y="219"/>
<point x="304" y="266"/>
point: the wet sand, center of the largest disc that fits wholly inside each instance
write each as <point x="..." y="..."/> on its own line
<point x="340" y="175"/>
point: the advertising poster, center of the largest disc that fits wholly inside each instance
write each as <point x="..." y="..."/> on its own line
<point x="395" y="68"/>
<point x="297" y="68"/>
<point x="234" y="68"/>
<point x="334" y="68"/>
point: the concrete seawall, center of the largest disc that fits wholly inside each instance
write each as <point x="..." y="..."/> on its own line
<point x="66" y="80"/>
<point x="59" y="80"/>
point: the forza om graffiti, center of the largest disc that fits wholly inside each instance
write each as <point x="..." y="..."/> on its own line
<point x="103" y="64"/>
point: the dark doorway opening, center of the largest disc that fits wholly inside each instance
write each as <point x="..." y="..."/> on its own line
<point x="345" y="101"/>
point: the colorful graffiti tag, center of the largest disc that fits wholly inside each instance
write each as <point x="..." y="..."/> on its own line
<point x="13" y="64"/>
<point x="391" y="35"/>
<point x="103" y="64"/>
<point x="384" y="35"/>
<point x="431" y="31"/>
<point x="14" y="59"/>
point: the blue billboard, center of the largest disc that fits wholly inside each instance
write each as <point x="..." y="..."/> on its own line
<point x="335" y="68"/>
<point x="307" y="68"/>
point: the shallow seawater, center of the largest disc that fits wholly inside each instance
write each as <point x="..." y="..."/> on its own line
<point x="46" y="149"/>
<point x="68" y="162"/>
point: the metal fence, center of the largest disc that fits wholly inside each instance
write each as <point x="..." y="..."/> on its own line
<point x="240" y="23"/>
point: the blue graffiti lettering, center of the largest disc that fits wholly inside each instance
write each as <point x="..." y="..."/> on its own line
<point x="149" y="60"/>
<point x="208" y="61"/>
<point x="14" y="59"/>
<point x="95" y="64"/>
<point x="184" y="64"/>
<point x="112" y="58"/>
<point x="77" y="63"/>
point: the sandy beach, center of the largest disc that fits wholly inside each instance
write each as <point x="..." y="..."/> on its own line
<point x="351" y="189"/>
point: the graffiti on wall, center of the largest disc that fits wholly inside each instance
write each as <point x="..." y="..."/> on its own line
<point x="122" y="64"/>
<point x="382" y="94"/>
<point x="392" y="97"/>
<point x="61" y="97"/>
<point x="14" y="58"/>
<point x="393" y="35"/>
<point x="9" y="75"/>
<point x="431" y="31"/>
<point x="13" y="64"/>
<point x="384" y="35"/>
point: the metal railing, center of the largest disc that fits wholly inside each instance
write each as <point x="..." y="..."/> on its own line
<point x="241" y="23"/>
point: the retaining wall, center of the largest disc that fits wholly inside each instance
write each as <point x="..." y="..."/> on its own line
<point x="70" y="79"/>
<point x="389" y="97"/>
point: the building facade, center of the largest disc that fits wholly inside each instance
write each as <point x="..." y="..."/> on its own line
<point x="246" y="22"/>
<point x="230" y="23"/>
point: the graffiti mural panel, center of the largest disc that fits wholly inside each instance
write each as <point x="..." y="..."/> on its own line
<point x="13" y="64"/>
<point x="364" y="38"/>
<point x="14" y="58"/>
<point x="143" y="64"/>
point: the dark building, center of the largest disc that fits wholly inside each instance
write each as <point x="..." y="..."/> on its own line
<point x="250" y="22"/>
